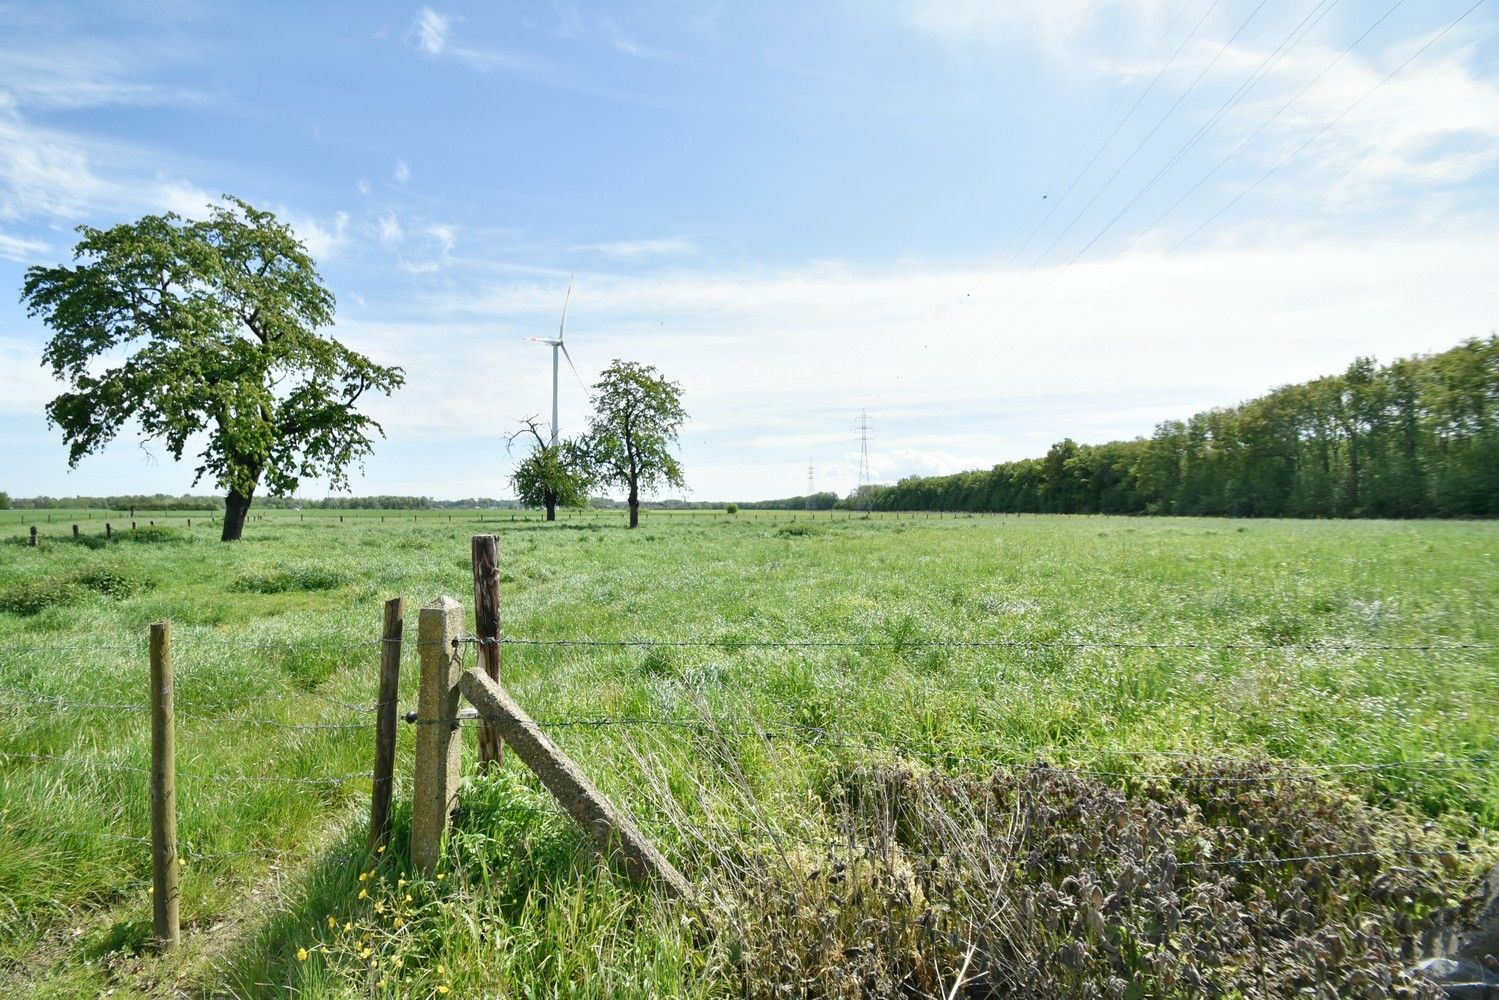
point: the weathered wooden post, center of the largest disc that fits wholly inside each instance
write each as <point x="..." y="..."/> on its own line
<point x="385" y="721"/>
<point x="33" y="536"/>
<point x="610" y="826"/>
<point x="109" y="532"/>
<point x="75" y="531"/>
<point x="439" y="751"/>
<point x="164" y="890"/>
<point x="485" y="555"/>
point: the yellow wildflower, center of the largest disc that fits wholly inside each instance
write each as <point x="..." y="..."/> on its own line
<point x="379" y="906"/>
<point x="400" y="923"/>
<point x="408" y="897"/>
<point x="364" y="894"/>
<point x="442" y="969"/>
<point x="332" y="922"/>
<point x="301" y="954"/>
<point x="380" y="849"/>
<point x="442" y="989"/>
<point x="441" y="876"/>
<point x="364" y="876"/>
<point x="365" y="953"/>
<point x="348" y="926"/>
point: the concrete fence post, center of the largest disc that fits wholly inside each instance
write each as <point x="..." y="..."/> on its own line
<point x="439" y="751"/>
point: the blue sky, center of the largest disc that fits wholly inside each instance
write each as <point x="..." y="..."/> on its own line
<point x="990" y="224"/>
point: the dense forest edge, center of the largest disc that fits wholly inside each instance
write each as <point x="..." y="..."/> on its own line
<point x="1415" y="438"/>
<point x="1418" y="437"/>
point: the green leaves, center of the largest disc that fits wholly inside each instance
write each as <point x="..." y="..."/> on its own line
<point x="637" y="414"/>
<point x="206" y="327"/>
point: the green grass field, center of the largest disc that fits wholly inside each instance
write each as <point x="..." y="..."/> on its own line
<point x="1120" y="645"/>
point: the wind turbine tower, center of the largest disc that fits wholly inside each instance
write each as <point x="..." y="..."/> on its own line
<point x="556" y="346"/>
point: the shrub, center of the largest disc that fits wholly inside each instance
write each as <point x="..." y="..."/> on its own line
<point x="732" y="508"/>
<point x="112" y="583"/>
<point x="152" y="534"/>
<point x="1035" y="883"/>
<point x="293" y="579"/>
<point x="36" y="596"/>
<point x="797" y="531"/>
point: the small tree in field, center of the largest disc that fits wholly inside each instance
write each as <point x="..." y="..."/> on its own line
<point x="222" y="317"/>
<point x="550" y="476"/>
<point x="636" y="416"/>
<point x="4" y="501"/>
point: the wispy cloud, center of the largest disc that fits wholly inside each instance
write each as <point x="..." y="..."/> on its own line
<point x="401" y="173"/>
<point x="638" y="249"/>
<point x="430" y="30"/>
<point x="21" y="249"/>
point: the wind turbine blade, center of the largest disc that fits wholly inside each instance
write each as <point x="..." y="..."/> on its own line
<point x="563" y="322"/>
<point x="574" y="367"/>
<point x="538" y="340"/>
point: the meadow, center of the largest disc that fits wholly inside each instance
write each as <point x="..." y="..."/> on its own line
<point x="753" y="687"/>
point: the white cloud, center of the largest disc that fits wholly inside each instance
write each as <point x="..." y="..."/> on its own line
<point x="431" y="30"/>
<point x="777" y="365"/>
<point x="21" y="249"/>
<point x="1056" y="24"/>
<point x="637" y="249"/>
<point x="363" y="186"/>
<point x="1436" y="122"/>
<point x="390" y="229"/>
<point x="401" y="173"/>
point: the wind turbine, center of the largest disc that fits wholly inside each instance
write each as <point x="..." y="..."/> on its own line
<point x="557" y="345"/>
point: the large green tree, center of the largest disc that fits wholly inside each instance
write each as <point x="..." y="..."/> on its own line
<point x="636" y="416"/>
<point x="207" y="331"/>
<point x="551" y="475"/>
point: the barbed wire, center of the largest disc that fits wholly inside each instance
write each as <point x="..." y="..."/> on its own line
<point x="975" y="644"/>
<point x="178" y="774"/>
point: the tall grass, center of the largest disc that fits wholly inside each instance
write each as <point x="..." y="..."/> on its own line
<point x="268" y="638"/>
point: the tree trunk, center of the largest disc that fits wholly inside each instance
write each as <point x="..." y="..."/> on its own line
<point x="634" y="504"/>
<point x="551" y="508"/>
<point x="236" y="506"/>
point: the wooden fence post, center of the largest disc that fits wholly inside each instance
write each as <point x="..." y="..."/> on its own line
<point x="486" y="564"/>
<point x="33" y="536"/>
<point x="163" y="790"/>
<point x="439" y="751"/>
<point x="385" y="721"/>
<point x="108" y="531"/>
<point x="75" y="531"/>
<point x="612" y="827"/>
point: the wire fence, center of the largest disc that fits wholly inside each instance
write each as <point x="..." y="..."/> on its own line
<point x="731" y="732"/>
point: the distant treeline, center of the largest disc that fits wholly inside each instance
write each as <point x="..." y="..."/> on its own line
<point x="155" y="501"/>
<point x="1416" y="438"/>
<point x="817" y="501"/>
